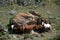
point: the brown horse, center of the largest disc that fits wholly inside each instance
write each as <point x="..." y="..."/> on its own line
<point x="28" y="28"/>
<point x="24" y="29"/>
<point x="31" y="25"/>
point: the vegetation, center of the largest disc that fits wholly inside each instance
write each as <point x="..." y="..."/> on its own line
<point x="57" y="37"/>
<point x="51" y="8"/>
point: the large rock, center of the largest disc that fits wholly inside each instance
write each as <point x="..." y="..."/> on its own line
<point x="24" y="18"/>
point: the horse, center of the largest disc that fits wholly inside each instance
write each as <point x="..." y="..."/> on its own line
<point x="35" y="26"/>
<point x="22" y="28"/>
<point x="31" y="24"/>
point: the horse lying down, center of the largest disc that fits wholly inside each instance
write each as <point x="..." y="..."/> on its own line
<point x="27" y="28"/>
<point x="30" y="28"/>
<point x="41" y="25"/>
<point x="45" y="26"/>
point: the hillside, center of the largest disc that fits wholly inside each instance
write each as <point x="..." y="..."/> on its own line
<point x="49" y="11"/>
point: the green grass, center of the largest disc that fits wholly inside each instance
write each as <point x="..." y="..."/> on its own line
<point x="53" y="9"/>
<point x="54" y="12"/>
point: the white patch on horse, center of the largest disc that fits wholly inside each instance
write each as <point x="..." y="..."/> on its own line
<point x="43" y="23"/>
<point x="47" y="25"/>
<point x="32" y="32"/>
<point x="12" y="26"/>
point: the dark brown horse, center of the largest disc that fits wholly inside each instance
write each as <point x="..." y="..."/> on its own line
<point x="24" y="28"/>
<point x="31" y="25"/>
<point x="28" y="27"/>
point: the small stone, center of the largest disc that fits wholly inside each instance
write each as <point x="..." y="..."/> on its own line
<point x="58" y="18"/>
<point x="50" y="17"/>
<point x="12" y="12"/>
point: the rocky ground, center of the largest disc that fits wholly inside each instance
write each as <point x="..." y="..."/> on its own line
<point x="39" y="36"/>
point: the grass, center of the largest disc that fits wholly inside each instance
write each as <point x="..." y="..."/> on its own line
<point x="54" y="11"/>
